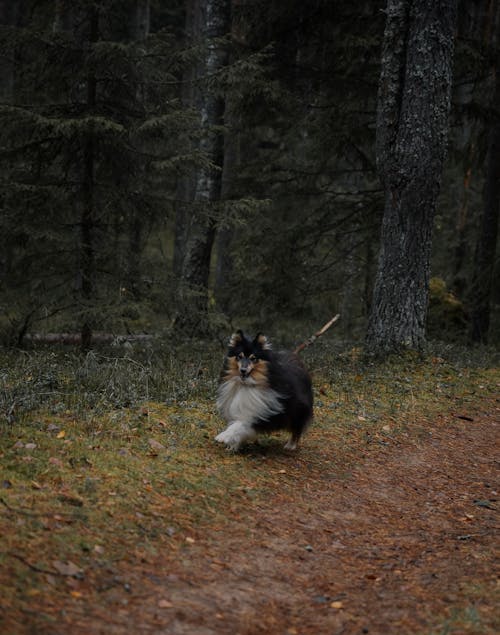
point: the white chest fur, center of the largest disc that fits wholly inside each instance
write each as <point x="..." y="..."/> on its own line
<point x="239" y="401"/>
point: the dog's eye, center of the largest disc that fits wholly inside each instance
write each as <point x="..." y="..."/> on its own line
<point x="252" y="358"/>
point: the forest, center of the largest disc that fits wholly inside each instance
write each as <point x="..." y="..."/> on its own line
<point x="193" y="166"/>
<point x="177" y="171"/>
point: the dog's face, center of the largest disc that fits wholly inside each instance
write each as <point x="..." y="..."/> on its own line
<point x="247" y="358"/>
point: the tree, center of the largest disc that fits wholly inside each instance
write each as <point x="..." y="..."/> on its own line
<point x="201" y="229"/>
<point x="89" y="151"/>
<point x="412" y="123"/>
<point x="484" y="263"/>
<point x="185" y="182"/>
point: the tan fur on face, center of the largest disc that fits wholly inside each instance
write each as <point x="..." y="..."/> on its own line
<point x="232" y="368"/>
<point x="257" y="370"/>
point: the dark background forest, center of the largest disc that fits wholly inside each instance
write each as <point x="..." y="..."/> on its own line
<point x="201" y="165"/>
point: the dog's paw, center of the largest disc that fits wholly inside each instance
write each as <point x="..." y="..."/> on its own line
<point x="232" y="444"/>
<point x="290" y="445"/>
<point x="235" y="435"/>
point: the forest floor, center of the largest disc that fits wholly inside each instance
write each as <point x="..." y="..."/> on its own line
<point x="386" y="523"/>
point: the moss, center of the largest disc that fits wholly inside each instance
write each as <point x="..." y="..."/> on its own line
<point x="446" y="318"/>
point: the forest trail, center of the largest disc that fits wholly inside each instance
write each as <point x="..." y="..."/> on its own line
<point x="405" y="543"/>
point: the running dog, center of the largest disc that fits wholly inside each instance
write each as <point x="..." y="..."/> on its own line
<point x="261" y="391"/>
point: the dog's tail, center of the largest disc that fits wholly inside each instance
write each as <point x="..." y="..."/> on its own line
<point x="319" y="333"/>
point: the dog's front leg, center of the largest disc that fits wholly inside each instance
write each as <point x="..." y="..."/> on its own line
<point x="236" y="434"/>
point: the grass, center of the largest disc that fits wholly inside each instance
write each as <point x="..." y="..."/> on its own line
<point x="108" y="459"/>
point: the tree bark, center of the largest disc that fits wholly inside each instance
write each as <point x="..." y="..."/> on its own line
<point x="193" y="291"/>
<point x="232" y="160"/>
<point x="412" y="128"/>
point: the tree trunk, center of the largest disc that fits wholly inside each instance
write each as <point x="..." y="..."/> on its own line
<point x="472" y="18"/>
<point x="139" y="25"/>
<point x="140" y="20"/>
<point x="193" y="292"/>
<point x="88" y="198"/>
<point x="9" y="15"/>
<point x="412" y="126"/>
<point x="232" y="160"/>
<point x="484" y="264"/>
<point x="185" y="182"/>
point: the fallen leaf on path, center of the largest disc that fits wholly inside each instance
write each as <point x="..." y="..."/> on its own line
<point x="164" y="604"/>
<point x="155" y="445"/>
<point x="68" y="568"/>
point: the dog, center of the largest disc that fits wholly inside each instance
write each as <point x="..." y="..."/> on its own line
<point x="261" y="391"/>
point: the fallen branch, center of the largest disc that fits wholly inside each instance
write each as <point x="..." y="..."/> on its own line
<point x="319" y="333"/>
<point x="25" y="512"/>
<point x="31" y="566"/>
<point x="76" y="338"/>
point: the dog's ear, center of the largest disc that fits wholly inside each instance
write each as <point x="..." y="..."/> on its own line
<point x="236" y="338"/>
<point x="262" y="341"/>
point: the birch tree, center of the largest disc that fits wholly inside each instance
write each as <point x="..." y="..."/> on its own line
<point x="412" y="128"/>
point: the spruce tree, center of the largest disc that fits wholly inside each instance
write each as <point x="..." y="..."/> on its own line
<point x="90" y="139"/>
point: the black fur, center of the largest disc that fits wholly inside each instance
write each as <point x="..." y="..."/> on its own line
<point x="288" y="377"/>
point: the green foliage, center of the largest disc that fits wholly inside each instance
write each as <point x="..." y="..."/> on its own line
<point x="308" y="148"/>
<point x="85" y="159"/>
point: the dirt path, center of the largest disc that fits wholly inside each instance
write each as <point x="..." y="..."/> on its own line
<point x="405" y="543"/>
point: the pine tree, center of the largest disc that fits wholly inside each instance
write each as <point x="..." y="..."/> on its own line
<point x="414" y="100"/>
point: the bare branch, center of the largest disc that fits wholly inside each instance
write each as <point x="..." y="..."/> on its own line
<point x="319" y="333"/>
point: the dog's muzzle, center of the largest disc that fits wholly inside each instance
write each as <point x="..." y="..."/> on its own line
<point x="245" y="367"/>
